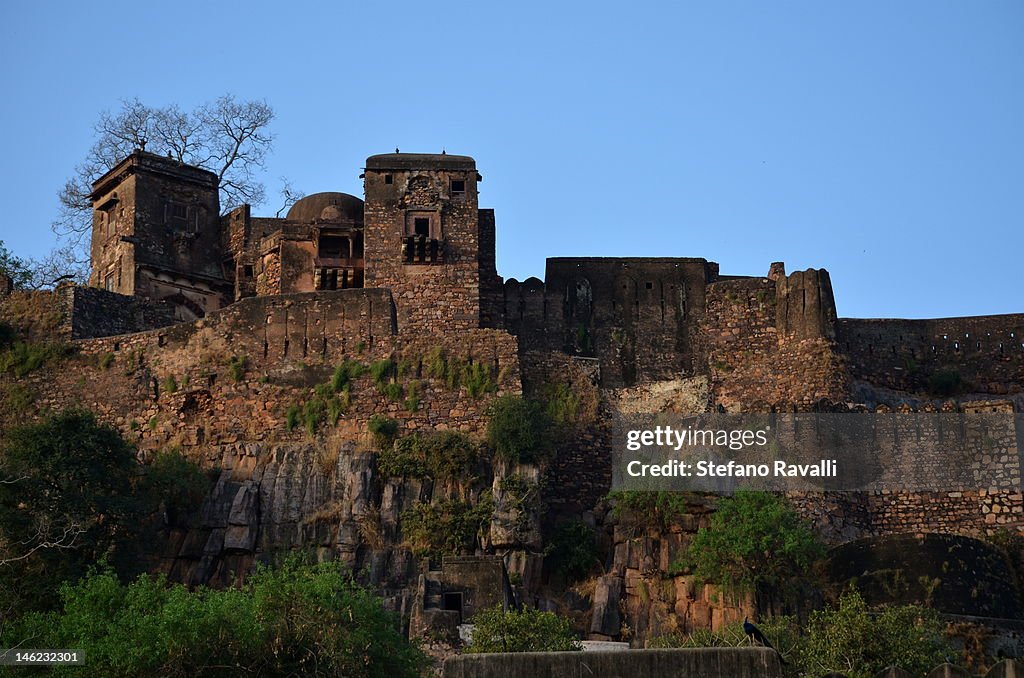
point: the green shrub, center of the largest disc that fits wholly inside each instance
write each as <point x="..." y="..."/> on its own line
<point x="753" y="539"/>
<point x="860" y="643"/>
<point x="451" y="454"/>
<point x="15" y="400"/>
<point x="478" y="379"/>
<point x="413" y="396"/>
<point x="382" y="426"/>
<point x="573" y="550"/>
<point x="393" y="391"/>
<point x="24" y="357"/>
<point x="237" y="367"/>
<point x="313" y="413"/>
<point x="381" y="371"/>
<point x="782" y="632"/>
<point x="106" y="360"/>
<point x="336" y="407"/>
<point x="291" y="417"/>
<point x="169" y="384"/>
<point x="70" y="499"/>
<point x="498" y="630"/>
<point x="175" y="481"/>
<point x="404" y="459"/>
<point x="437" y="364"/>
<point x="345" y="373"/>
<point x="651" y="509"/>
<point x="444" y="454"/>
<point x="296" y="619"/>
<point x="519" y="430"/>
<point x="445" y="528"/>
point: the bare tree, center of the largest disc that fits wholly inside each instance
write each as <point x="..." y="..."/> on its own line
<point x="289" y="195"/>
<point x="226" y="136"/>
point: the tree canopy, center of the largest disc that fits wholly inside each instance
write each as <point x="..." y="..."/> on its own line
<point x="754" y="539"/>
<point x="72" y="494"/>
<point x="227" y="136"/>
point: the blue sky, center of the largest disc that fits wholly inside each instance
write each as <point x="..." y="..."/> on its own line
<point x="882" y="141"/>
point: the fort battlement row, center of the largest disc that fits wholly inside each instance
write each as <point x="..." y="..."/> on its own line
<point x="159" y="235"/>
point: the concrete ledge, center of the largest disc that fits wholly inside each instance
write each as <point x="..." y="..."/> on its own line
<point x="711" y="662"/>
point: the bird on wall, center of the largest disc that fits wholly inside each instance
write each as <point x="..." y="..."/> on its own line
<point x="754" y="635"/>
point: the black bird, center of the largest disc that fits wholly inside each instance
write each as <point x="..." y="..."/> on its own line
<point x="755" y="635"/>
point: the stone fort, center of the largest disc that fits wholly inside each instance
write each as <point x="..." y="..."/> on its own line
<point x="180" y="292"/>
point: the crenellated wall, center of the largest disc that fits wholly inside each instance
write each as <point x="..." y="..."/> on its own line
<point x="987" y="352"/>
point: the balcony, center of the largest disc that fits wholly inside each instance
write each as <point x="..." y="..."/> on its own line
<point x="419" y="249"/>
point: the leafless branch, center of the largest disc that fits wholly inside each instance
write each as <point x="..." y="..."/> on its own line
<point x="290" y="195"/>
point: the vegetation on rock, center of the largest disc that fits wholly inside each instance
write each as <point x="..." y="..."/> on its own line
<point x="754" y="540"/>
<point x="499" y="630"/>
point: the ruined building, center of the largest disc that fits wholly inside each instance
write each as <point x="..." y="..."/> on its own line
<point x="218" y="332"/>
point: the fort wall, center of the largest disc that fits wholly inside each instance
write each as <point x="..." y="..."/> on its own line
<point x="986" y="352"/>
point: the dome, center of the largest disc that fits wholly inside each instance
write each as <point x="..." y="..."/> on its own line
<point x="327" y="207"/>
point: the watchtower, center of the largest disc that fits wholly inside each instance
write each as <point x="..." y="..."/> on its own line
<point x="423" y="237"/>
<point x="156" y="233"/>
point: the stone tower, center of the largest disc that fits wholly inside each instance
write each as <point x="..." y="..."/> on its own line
<point x="156" y="233"/>
<point x="423" y="237"/>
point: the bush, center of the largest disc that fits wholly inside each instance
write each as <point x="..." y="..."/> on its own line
<point x="413" y="396"/>
<point x="478" y="379"/>
<point x="519" y="430"/>
<point x="497" y="630"/>
<point x="297" y="619"/>
<point x="782" y="632"/>
<point x="754" y="539"/>
<point x="176" y="482"/>
<point x="24" y="357"/>
<point x="444" y="454"/>
<point x="291" y="417"/>
<point x="404" y="459"/>
<point x="852" y="640"/>
<point x="381" y="371"/>
<point x="573" y="552"/>
<point x="445" y="528"/>
<point x="651" y="509"/>
<point x="106" y="360"/>
<point x="170" y="384"/>
<point x="381" y="426"/>
<point x="345" y="373"/>
<point x="237" y="367"/>
<point x="393" y="391"/>
<point x="313" y="412"/>
<point x="72" y="484"/>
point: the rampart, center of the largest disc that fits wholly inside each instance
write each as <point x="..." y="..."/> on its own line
<point x="982" y="354"/>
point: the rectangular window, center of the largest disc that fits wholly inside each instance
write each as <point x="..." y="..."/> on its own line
<point x="389" y="179"/>
<point x="110" y="221"/>
<point x="458" y="187"/>
<point x="421" y="226"/>
<point x="247" y="270"/>
<point x="176" y="215"/>
<point x="332" y="247"/>
<point x="108" y="281"/>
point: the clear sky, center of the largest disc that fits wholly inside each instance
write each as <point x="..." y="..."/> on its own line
<point x="883" y="141"/>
